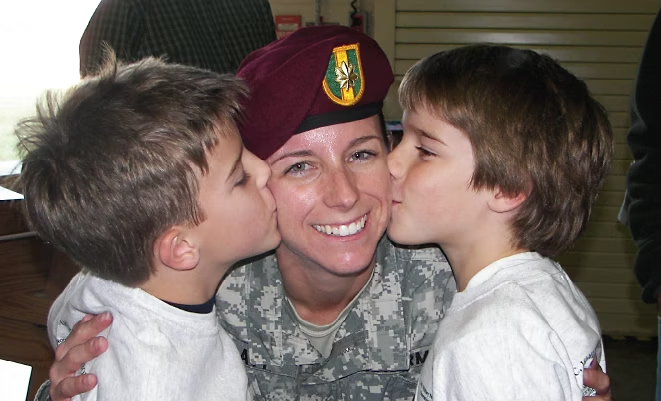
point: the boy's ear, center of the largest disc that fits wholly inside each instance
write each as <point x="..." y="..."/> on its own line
<point x="501" y="202"/>
<point x="175" y="250"/>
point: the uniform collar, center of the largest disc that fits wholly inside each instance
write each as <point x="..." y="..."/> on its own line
<point x="372" y="337"/>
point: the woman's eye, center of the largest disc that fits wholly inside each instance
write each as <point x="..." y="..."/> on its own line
<point x="424" y="153"/>
<point x="297" y="168"/>
<point x="362" y="155"/>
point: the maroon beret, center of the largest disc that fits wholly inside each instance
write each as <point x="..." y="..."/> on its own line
<point x="315" y="77"/>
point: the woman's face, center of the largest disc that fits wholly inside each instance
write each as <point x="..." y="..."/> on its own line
<point x="332" y="190"/>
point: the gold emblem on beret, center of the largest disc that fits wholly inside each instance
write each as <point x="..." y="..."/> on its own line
<point x="343" y="82"/>
<point x="345" y="76"/>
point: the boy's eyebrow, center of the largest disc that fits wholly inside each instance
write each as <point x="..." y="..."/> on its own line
<point x="431" y="137"/>
<point x="236" y="165"/>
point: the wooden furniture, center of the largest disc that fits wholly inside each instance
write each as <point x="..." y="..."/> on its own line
<point x="32" y="274"/>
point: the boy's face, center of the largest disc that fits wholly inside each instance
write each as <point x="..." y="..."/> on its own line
<point x="239" y="208"/>
<point x="431" y="170"/>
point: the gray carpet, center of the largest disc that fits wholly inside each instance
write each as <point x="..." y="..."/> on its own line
<point x="631" y="365"/>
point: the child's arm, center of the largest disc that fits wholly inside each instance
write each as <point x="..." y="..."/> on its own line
<point x="593" y="377"/>
<point x="498" y="365"/>
<point x="505" y="346"/>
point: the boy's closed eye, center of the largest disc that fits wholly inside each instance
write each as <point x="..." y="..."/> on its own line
<point x="243" y="180"/>
<point x="424" y="153"/>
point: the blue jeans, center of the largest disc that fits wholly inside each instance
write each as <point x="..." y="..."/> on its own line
<point x="658" y="365"/>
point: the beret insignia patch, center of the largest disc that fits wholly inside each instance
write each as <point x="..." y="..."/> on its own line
<point x="343" y="82"/>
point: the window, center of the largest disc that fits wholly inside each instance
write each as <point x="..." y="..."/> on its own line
<point x="39" y="41"/>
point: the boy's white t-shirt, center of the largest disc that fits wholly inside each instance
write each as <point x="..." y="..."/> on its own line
<point x="156" y="351"/>
<point x="521" y="330"/>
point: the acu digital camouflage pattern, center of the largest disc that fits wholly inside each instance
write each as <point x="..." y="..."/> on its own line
<point x="378" y="350"/>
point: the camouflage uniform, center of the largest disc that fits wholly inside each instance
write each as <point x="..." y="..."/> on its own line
<point x="379" y="349"/>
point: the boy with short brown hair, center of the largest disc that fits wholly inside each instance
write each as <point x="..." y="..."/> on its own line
<point x="503" y="155"/>
<point x="139" y="174"/>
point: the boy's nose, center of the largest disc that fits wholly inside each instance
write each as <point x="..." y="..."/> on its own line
<point x="395" y="163"/>
<point x="262" y="171"/>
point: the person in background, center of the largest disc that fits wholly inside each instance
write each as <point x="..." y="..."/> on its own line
<point x="642" y="205"/>
<point x="502" y="184"/>
<point x="140" y="176"/>
<point x="339" y="312"/>
<point x="214" y="35"/>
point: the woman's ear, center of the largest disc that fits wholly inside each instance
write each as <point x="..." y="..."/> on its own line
<point x="176" y="250"/>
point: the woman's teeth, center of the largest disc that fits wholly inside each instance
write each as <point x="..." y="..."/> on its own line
<point x="342" y="230"/>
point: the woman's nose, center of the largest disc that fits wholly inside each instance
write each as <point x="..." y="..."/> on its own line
<point x="341" y="190"/>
